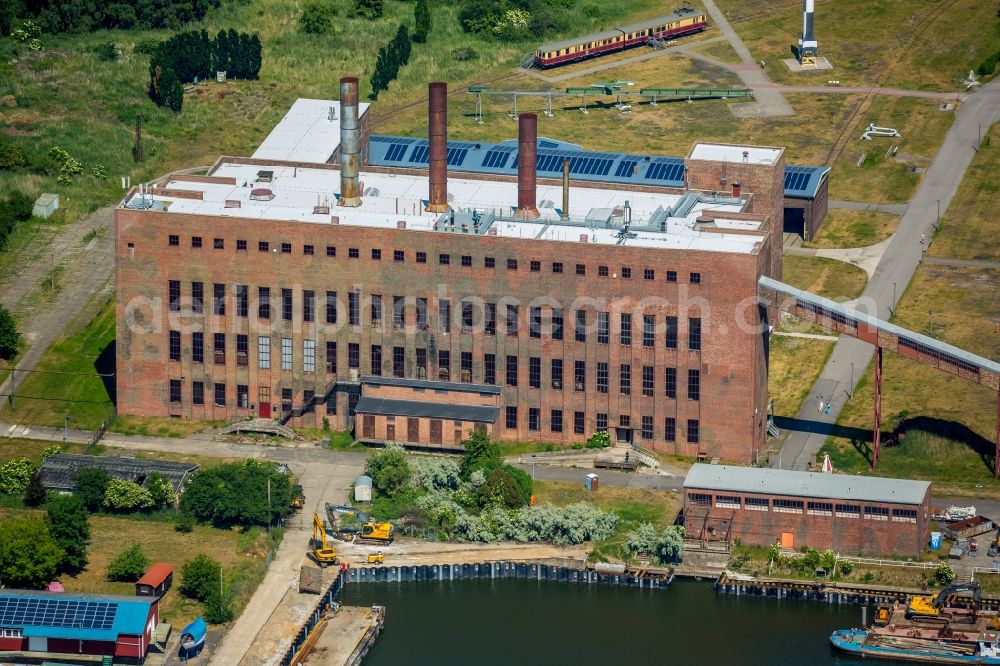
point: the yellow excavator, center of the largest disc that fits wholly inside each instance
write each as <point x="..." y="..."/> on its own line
<point x="320" y="551"/>
<point x="934" y="606"/>
<point x="372" y="532"/>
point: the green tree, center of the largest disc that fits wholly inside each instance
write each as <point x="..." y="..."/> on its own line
<point x="237" y="494"/>
<point x="389" y="469"/>
<point x="200" y="577"/>
<point x="11" y="156"/>
<point x="10" y="338"/>
<point x="480" y="452"/>
<point x="255" y="57"/>
<point x="91" y="485"/>
<point x="665" y="545"/>
<point x="125" y="495"/>
<point x="380" y="77"/>
<point x="66" y="517"/>
<point x="219" y="608"/>
<point x="15" y="475"/>
<point x="34" y="494"/>
<point x="29" y="558"/>
<point x="172" y="91"/>
<point x="318" y="17"/>
<point x="944" y="573"/>
<point x="402" y="47"/>
<point x="422" y="18"/>
<point x="128" y="565"/>
<point x="160" y="489"/>
<point x="501" y="488"/>
<point x="369" y="9"/>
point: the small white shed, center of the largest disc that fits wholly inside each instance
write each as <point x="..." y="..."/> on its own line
<point x="363" y="489"/>
<point x="45" y="205"/>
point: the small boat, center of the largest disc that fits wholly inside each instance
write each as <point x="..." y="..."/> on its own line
<point x="193" y="636"/>
<point x="863" y="643"/>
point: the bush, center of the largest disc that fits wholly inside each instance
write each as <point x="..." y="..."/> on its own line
<point x="501" y="489"/>
<point x="15" y="475"/>
<point x="944" y="573"/>
<point x="161" y="490"/>
<point x="107" y="52"/>
<point x="237" y="494"/>
<point x="128" y="565"/>
<point x="10" y="338"/>
<point x="665" y="545"/>
<point x="988" y="66"/>
<point x="437" y="474"/>
<point x="91" y="485"/>
<point x="29" y="558"/>
<point x="11" y="156"/>
<point x="369" y="9"/>
<point x="846" y="568"/>
<point x="464" y="54"/>
<point x="389" y="469"/>
<point x="66" y="517"/>
<point x="480" y="452"/>
<point x="422" y="21"/>
<point x="599" y="440"/>
<point x="318" y="18"/>
<point x="125" y="495"/>
<point x="219" y="609"/>
<point x="35" y="493"/>
<point x="185" y="525"/>
<point x="200" y="577"/>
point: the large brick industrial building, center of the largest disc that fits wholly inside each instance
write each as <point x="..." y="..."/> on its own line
<point x="293" y="288"/>
<point x="849" y="514"/>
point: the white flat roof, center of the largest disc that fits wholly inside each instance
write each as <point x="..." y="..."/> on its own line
<point x="306" y="133"/>
<point x="402" y="197"/>
<point x="717" y="152"/>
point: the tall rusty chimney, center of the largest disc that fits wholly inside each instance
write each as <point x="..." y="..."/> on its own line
<point x="350" y="142"/>
<point x="527" y="137"/>
<point x="565" y="206"/>
<point x="437" y="150"/>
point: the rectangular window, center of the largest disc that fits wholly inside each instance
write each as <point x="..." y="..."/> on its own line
<point x="219" y="348"/>
<point x="535" y="372"/>
<point x="444" y="314"/>
<point x="331" y="250"/>
<point x="399" y="255"/>
<point x="376" y="360"/>
<point x="670" y="429"/>
<point x="694" y="385"/>
<point x="398" y="312"/>
<point x="670" y="378"/>
<point x="422" y="314"/>
<point x="511" y="319"/>
<point x="243" y="396"/>
<point x="175" y="390"/>
<point x="557" y="267"/>
<point x="646" y="432"/>
<point x="602" y="422"/>
<point x="354" y="308"/>
<point x="286" y="304"/>
<point x="510" y="418"/>
<point x="557" y="374"/>
<point x="693" y="434"/>
<point x="699" y="499"/>
<point x="727" y="501"/>
<point x="512" y="264"/>
<point x="626" y="273"/>
<point x="466" y="362"/>
<point x="489" y="262"/>
<point x="175" y="345"/>
<point x="555" y="421"/>
<point x="786" y="506"/>
<point x="625" y="379"/>
<point x="647" y="381"/>
<point x="602" y="377"/>
<point x="218" y="243"/>
<point x="263" y="246"/>
<point x="671" y="332"/>
<point x="648" y="274"/>
<point x="353" y="355"/>
<point x="511" y="371"/>
<point x="309" y="356"/>
<point x="581" y="269"/>
<point x="421" y="359"/>
<point x="331" y="357"/>
<point x="308" y="305"/>
<point x="694" y="333"/>
<point x="535" y="322"/>
<point x="444" y="259"/>
<point x="331" y="307"/>
<point x="376" y="254"/>
<point x="848" y="511"/>
<point x="195" y="241"/>
<point x="308" y="249"/>
<point x="466" y="261"/>
<point x="625" y="332"/>
<point x="904" y="516"/>
<point x="263" y="302"/>
<point x="352" y="253"/>
<point x="648" y="331"/>
<point x="242" y="300"/>
<point x="671" y="276"/>
<point x="581" y="326"/>
<point x="695" y="278"/>
<point x="819" y="508"/>
<point x="579" y="375"/>
<point x="220" y="395"/>
<point x="197" y="297"/>
<point x="468" y="316"/>
<point x="398" y="361"/>
<point x="756" y="504"/>
<point x="535" y="266"/>
<point x="241" y="245"/>
<point x="286" y="248"/>
<point x="557" y="324"/>
<point x="490" y="319"/>
<point x="534" y="415"/>
<point x="578" y="423"/>
<point x="198" y="393"/>
<point x="286" y="353"/>
<point x="602" y="271"/>
<point x="242" y="349"/>
<point x="263" y="352"/>
<point x="198" y="347"/>
<point x="376" y="310"/>
<point x="219" y="299"/>
<point x="174" y="240"/>
<point x="876" y="513"/>
<point x="603" y="328"/>
<point x="490" y="368"/>
<point x="444" y="364"/>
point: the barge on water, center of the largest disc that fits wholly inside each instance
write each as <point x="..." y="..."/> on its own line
<point x="864" y="643"/>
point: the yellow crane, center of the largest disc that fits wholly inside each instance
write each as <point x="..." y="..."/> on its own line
<point x="320" y="551"/>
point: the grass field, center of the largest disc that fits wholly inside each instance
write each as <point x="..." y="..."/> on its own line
<point x="844" y="228"/>
<point x="836" y="280"/>
<point x="968" y="226"/>
<point x="793" y="366"/>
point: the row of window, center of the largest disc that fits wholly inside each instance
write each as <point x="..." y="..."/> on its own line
<point x="647" y="377"/>
<point x="551" y="321"/>
<point x="800" y="506"/>
<point x="443" y="259"/>
<point x="219" y="394"/>
<point x="555" y="423"/>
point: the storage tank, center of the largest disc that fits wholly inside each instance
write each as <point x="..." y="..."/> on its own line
<point x="363" y="489"/>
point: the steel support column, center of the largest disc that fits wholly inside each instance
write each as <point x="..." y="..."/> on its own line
<point x="996" y="452"/>
<point x="877" y="435"/>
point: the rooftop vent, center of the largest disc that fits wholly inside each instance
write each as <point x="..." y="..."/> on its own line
<point x="232" y="203"/>
<point x="321" y="210"/>
<point x="261" y="194"/>
<point x="334" y="219"/>
<point x="704" y="219"/>
<point x="400" y="224"/>
<point x="583" y="238"/>
<point x="265" y="176"/>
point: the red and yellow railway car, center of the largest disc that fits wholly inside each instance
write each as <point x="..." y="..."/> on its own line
<point x="684" y="21"/>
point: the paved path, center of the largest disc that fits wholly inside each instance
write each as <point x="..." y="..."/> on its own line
<point x="807" y="336"/>
<point x="865" y="90"/>
<point x="963" y="263"/>
<point x="895" y="209"/>
<point x="850" y="357"/>
<point x="866" y="258"/>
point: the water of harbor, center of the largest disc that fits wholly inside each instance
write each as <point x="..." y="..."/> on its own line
<point x="520" y="623"/>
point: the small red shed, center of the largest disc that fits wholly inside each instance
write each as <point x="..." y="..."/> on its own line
<point x="156" y="581"/>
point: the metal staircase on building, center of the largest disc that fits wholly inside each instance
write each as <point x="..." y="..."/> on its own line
<point x="772" y="429"/>
<point x="645" y="458"/>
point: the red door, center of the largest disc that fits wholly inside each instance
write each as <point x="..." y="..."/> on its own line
<point x="264" y="402"/>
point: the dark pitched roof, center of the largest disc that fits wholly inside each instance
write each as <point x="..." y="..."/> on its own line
<point x="431" y="410"/>
<point x="374" y="380"/>
<point x="58" y="471"/>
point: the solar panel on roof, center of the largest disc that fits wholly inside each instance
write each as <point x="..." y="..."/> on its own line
<point x="22" y="611"/>
<point x="456" y="156"/>
<point x="625" y="169"/>
<point x="419" y="154"/>
<point x="547" y="144"/>
<point x="396" y="152"/>
<point x="496" y="159"/>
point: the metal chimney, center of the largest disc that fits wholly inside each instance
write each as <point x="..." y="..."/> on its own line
<point x="527" y="138"/>
<point x="565" y="206"/>
<point x="437" y="150"/>
<point x="350" y="142"/>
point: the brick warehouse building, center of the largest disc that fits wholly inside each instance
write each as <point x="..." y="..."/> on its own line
<point x="849" y="514"/>
<point x="260" y="289"/>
